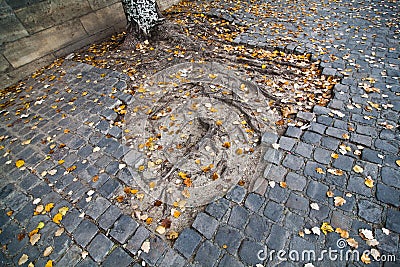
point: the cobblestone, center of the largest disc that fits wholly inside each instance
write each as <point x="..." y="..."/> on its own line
<point x="205" y="224"/>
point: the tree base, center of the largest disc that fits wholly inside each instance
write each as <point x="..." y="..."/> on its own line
<point x="165" y="31"/>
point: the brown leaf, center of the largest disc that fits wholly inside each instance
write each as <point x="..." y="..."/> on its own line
<point x="21" y="236"/>
<point x="166" y="223"/>
<point x="34" y="239"/>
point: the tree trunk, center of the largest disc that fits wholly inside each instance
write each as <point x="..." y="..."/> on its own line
<point x="142" y="17"/>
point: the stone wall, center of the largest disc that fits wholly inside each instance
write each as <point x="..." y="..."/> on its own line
<point x="35" y="32"/>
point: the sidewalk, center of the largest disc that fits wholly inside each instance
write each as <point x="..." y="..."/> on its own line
<point x="61" y="149"/>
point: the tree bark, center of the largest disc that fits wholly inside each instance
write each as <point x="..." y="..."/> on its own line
<point x="142" y="17"/>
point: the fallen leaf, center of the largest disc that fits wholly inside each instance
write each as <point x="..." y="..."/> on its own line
<point x="34" y="231"/>
<point x="63" y="210"/>
<point x="72" y="168"/>
<point x="358" y="169"/>
<point x="334" y="155"/>
<point x="149" y="220"/>
<point x="26" y="142"/>
<point x="330" y="194"/>
<point x="369" y="182"/>
<point x="175" y="213"/>
<point x="375" y="254"/>
<point x="372" y="242"/>
<point x="352" y="242"/>
<point x="59" y="231"/>
<point x="366" y="234"/>
<point x="145" y="246"/>
<point x="21" y="236"/>
<point x="160" y="229"/>
<point x="84" y="254"/>
<point x="9" y="213"/>
<point x="365" y="258"/>
<point x="398" y="162"/>
<point x="186" y="193"/>
<point x="316" y="230"/>
<point x="49" y="263"/>
<point x="57" y="218"/>
<point x="172" y="235"/>
<point x="47" y="251"/>
<point x="34" y="239"/>
<point x="386" y="231"/>
<point x="40" y="225"/>
<point x="49" y="207"/>
<point x="320" y="170"/>
<point x="24" y="258"/>
<point x="314" y="206"/>
<point x="326" y="228"/>
<point x="339" y="201"/>
<point x="283" y="184"/>
<point x="19" y="163"/>
<point x="119" y="199"/>
<point x="342" y="233"/>
<point x="61" y="161"/>
<point x="335" y="172"/>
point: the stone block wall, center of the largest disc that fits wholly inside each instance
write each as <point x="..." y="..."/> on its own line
<point x="35" y="32"/>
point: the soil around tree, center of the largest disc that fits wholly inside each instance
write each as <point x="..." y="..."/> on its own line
<point x="203" y="103"/>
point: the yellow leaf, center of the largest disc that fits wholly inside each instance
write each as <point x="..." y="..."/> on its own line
<point x="398" y="162"/>
<point x="149" y="220"/>
<point x="63" y="210"/>
<point x="339" y="201"/>
<point x="334" y="155"/>
<point x="19" y="163"/>
<point x="263" y="66"/>
<point x="283" y="184"/>
<point x="326" y="228"/>
<point x="369" y="182"/>
<point x="9" y="213"/>
<point x="61" y="161"/>
<point x="346" y="136"/>
<point x="72" y="168"/>
<point x="358" y="169"/>
<point x="49" y="207"/>
<point x="330" y="194"/>
<point x="365" y="258"/>
<point x="27" y="142"/>
<point x="57" y="218"/>
<point x="49" y="263"/>
<point x="67" y="131"/>
<point x="226" y="145"/>
<point x="177" y="213"/>
<point x="40" y="225"/>
<point x="31" y="233"/>
<point x="182" y="175"/>
<point x="212" y="76"/>
<point x="320" y="170"/>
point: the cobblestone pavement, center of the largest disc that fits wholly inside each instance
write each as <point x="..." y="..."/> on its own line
<point x="345" y="146"/>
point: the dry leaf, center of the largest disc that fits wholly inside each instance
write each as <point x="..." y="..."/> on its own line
<point x="398" y="162"/>
<point x="316" y="230"/>
<point x="334" y="155"/>
<point x="375" y="254"/>
<point x="326" y="228"/>
<point x="330" y="194"/>
<point x="59" y="232"/>
<point x="358" y="169"/>
<point x="372" y="242"/>
<point x="339" y="201"/>
<point x="366" y="234"/>
<point x="385" y="231"/>
<point x="369" y="182"/>
<point x="283" y="184"/>
<point x="48" y="251"/>
<point x="342" y="233"/>
<point x="40" y="225"/>
<point x="145" y="246"/>
<point x="335" y="172"/>
<point x="160" y="229"/>
<point x="172" y="235"/>
<point x="314" y="206"/>
<point x="24" y="258"/>
<point x="34" y="239"/>
<point x="49" y="263"/>
<point x="186" y="193"/>
<point x="320" y="170"/>
<point x="352" y="242"/>
<point x="19" y="163"/>
<point x="365" y="259"/>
